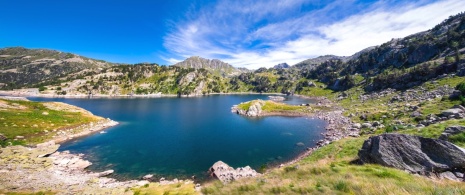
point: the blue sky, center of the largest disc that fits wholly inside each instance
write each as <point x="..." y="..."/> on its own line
<point x="244" y="33"/>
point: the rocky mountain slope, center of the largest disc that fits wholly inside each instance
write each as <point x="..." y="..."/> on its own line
<point x="21" y="67"/>
<point x="400" y="64"/>
<point x="214" y="65"/>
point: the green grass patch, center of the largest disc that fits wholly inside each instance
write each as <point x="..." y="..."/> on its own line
<point x="36" y="122"/>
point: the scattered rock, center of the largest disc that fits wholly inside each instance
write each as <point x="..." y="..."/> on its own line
<point x="44" y="113"/>
<point x="415" y="154"/>
<point x="452" y="130"/>
<point x="19" y="137"/>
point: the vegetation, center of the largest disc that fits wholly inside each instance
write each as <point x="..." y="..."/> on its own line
<point x="35" y="122"/>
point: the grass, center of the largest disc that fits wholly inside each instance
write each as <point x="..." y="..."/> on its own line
<point x="330" y="170"/>
<point x="33" y="124"/>
<point x="244" y="105"/>
<point x="271" y="106"/>
<point x="171" y="189"/>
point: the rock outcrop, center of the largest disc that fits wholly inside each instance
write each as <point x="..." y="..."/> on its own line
<point x="255" y="109"/>
<point x="452" y="130"/>
<point x="415" y="154"/>
<point x="226" y="174"/>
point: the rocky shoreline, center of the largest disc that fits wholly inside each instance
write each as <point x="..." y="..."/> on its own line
<point x="43" y="169"/>
<point x="338" y="126"/>
<point x="36" y="93"/>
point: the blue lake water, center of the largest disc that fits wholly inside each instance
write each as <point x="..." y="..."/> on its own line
<point x="181" y="137"/>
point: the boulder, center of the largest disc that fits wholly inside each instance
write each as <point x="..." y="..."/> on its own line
<point x="105" y="173"/>
<point x="415" y="154"/>
<point x="366" y="125"/>
<point x="452" y="130"/>
<point x="415" y="114"/>
<point x="452" y="112"/>
<point x="226" y="174"/>
<point x="147" y="177"/>
<point x="356" y="125"/>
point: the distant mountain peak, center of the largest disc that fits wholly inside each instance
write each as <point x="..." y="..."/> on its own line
<point x="281" y="66"/>
<point x="213" y="65"/>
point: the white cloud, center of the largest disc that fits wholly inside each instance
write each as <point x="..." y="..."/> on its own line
<point x="262" y="34"/>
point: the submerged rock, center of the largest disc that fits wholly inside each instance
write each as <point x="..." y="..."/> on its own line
<point x="276" y="98"/>
<point x="415" y="154"/>
<point x="226" y="174"/>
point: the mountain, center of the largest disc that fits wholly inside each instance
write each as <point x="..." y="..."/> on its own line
<point x="22" y="67"/>
<point x="281" y="66"/>
<point x="401" y="63"/>
<point x="318" y="60"/>
<point x="213" y="65"/>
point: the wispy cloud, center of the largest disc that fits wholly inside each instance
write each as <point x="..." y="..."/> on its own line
<point x="262" y="33"/>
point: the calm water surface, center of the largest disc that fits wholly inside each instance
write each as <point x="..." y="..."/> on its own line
<point x="181" y="137"/>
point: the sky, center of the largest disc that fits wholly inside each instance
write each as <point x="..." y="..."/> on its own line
<point x="243" y="33"/>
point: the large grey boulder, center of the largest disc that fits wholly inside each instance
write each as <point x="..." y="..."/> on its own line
<point x="415" y="154"/>
<point x="452" y="130"/>
<point x="452" y="112"/>
<point x="226" y="174"/>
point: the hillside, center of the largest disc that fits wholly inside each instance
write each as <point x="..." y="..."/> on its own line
<point x="21" y="67"/>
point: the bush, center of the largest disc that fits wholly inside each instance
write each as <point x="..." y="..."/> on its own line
<point x="461" y="87"/>
<point x="42" y="88"/>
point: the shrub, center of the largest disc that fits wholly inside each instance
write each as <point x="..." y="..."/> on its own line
<point x="289" y="169"/>
<point x="461" y="87"/>
<point x="42" y="88"/>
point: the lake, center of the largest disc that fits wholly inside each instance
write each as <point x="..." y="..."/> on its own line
<point x="182" y="137"/>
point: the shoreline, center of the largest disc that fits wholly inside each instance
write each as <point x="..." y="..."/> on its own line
<point x="42" y="167"/>
<point x="19" y="93"/>
<point x="338" y="126"/>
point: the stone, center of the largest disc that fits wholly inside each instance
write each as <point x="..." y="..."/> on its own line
<point x="227" y="174"/>
<point x="19" y="137"/>
<point x="452" y="130"/>
<point x="415" y="114"/>
<point x="376" y="124"/>
<point x="452" y="112"/>
<point x="105" y="173"/>
<point x="44" y="113"/>
<point x="459" y="107"/>
<point x="366" y="125"/>
<point x="147" y="177"/>
<point x="357" y="125"/>
<point x="413" y="153"/>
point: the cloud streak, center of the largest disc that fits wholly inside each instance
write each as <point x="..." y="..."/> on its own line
<point x="255" y="34"/>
